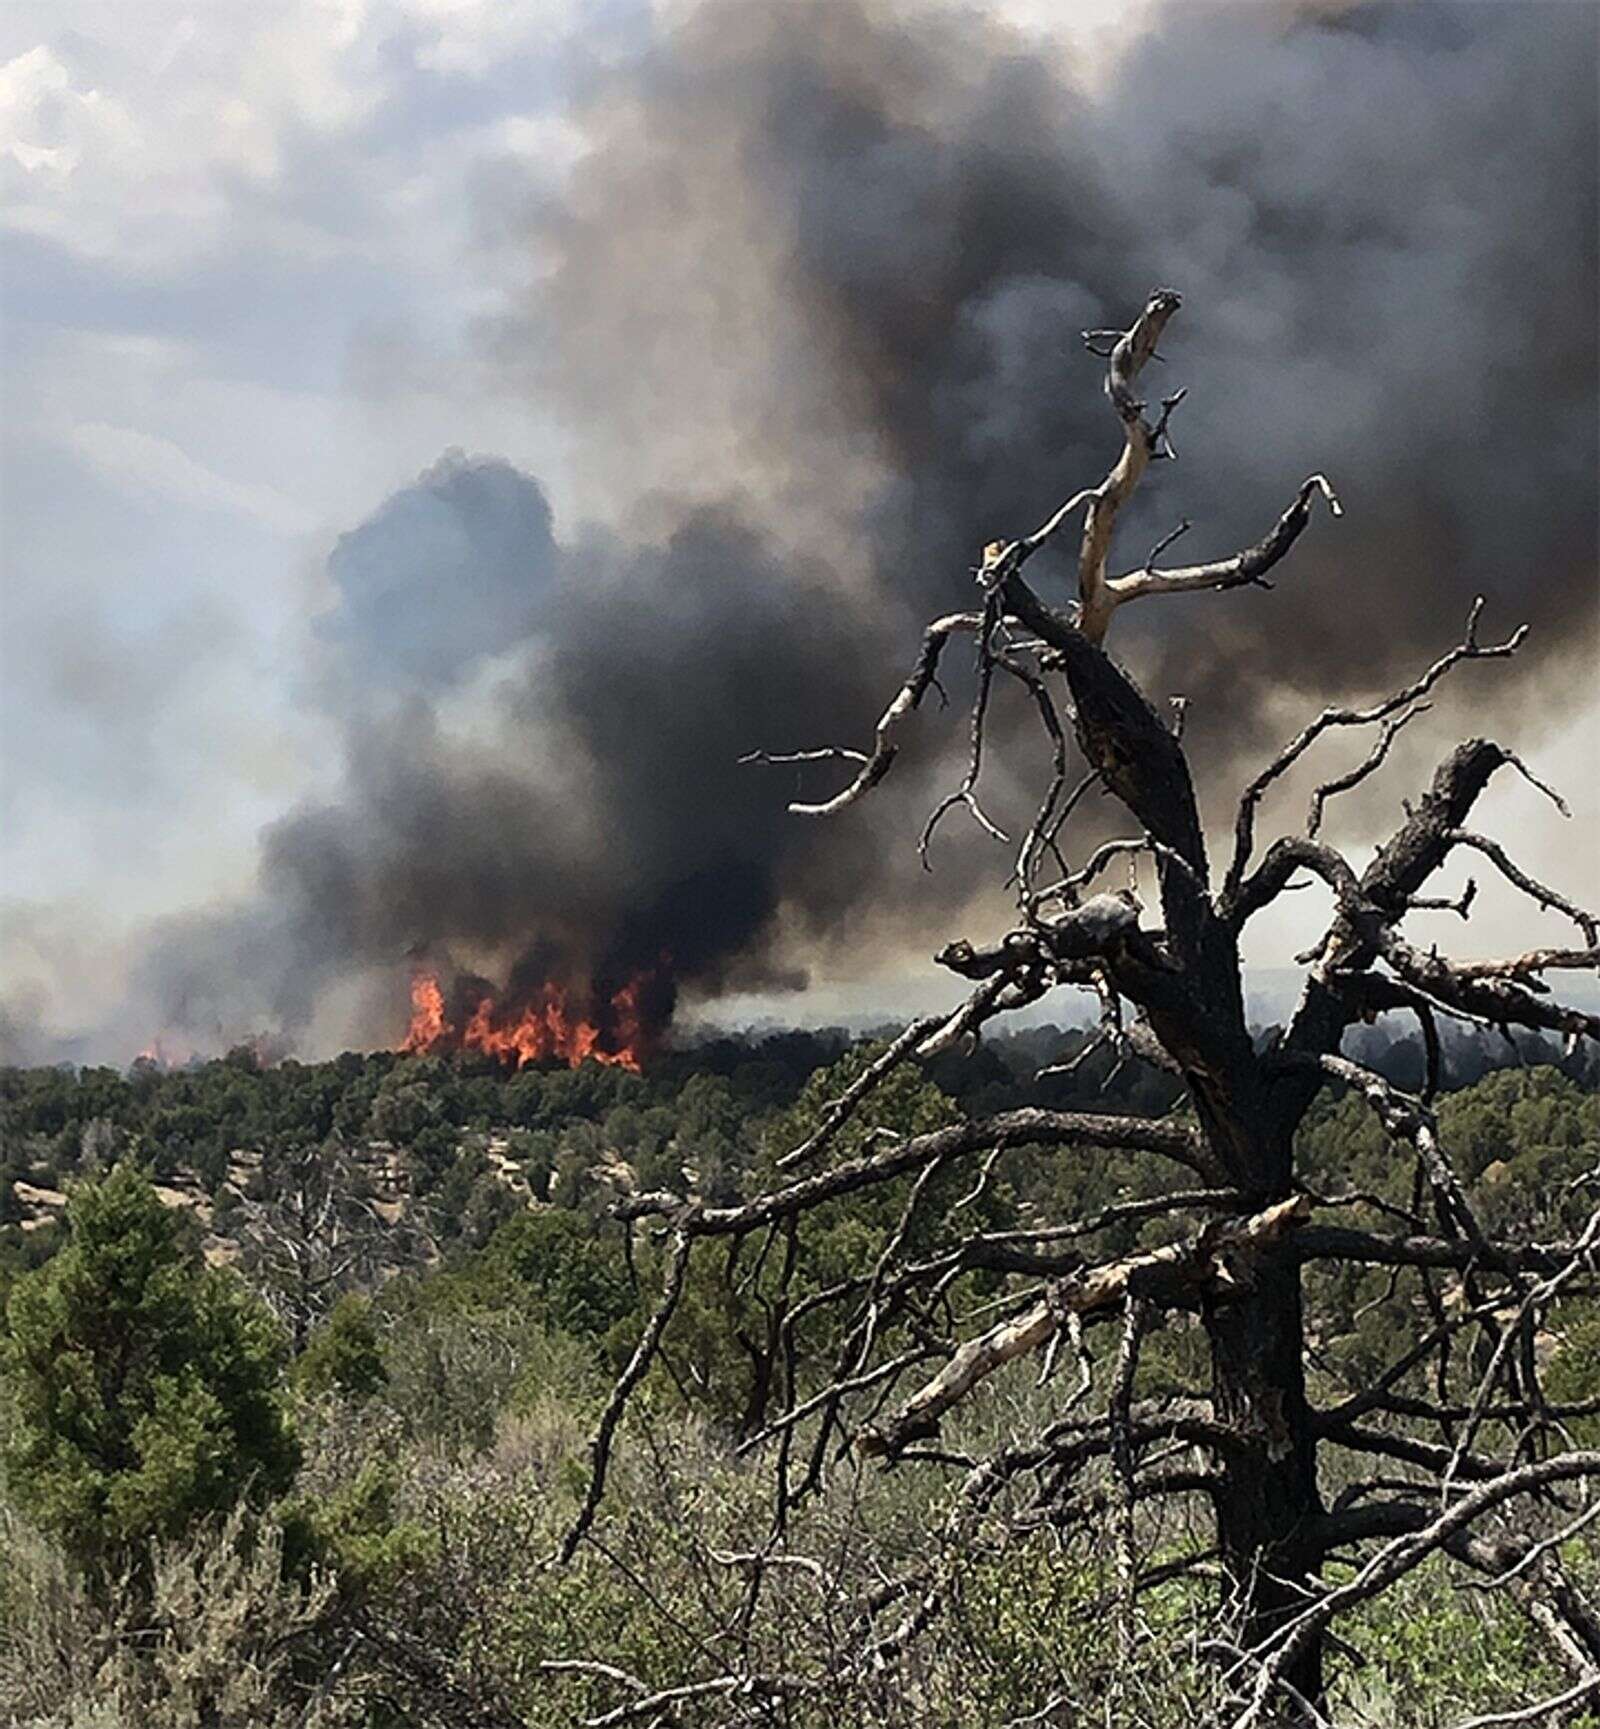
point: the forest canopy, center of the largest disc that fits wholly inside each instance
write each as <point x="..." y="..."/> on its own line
<point x="443" y="1396"/>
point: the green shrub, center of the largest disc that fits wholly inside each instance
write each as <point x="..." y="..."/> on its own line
<point x="344" y="1354"/>
<point x="146" y="1387"/>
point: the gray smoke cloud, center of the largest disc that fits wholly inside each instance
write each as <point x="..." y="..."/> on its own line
<point x="810" y="306"/>
<point x="442" y="574"/>
<point x="884" y="237"/>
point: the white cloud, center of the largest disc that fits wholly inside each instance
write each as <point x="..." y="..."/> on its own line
<point x="224" y="221"/>
<point x="471" y="36"/>
<point x="146" y="462"/>
<point x="51" y="127"/>
<point x="152" y="135"/>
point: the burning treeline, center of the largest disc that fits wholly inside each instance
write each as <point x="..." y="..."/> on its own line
<point x="916" y="212"/>
<point x="549" y="1023"/>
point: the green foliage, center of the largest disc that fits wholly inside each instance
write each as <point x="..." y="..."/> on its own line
<point x="906" y="1102"/>
<point x="444" y="1414"/>
<point x="1435" y="1652"/>
<point x="344" y="1354"/>
<point x="356" y="1532"/>
<point x="1522" y="1136"/>
<point x="451" y="1372"/>
<point x="1517" y="1137"/>
<point x="146" y="1388"/>
<point x="21" y="1251"/>
<point x="552" y="1267"/>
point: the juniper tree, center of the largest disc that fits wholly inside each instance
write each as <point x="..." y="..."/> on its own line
<point x="146" y="1388"/>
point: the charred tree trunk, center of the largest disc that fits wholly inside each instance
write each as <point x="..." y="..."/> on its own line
<point x="763" y="1357"/>
<point x="1266" y="1496"/>
<point x="1266" y="1499"/>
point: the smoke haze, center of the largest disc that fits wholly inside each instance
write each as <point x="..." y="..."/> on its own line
<point x="807" y="312"/>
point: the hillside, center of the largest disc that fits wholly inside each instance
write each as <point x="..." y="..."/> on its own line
<point x="453" y="1299"/>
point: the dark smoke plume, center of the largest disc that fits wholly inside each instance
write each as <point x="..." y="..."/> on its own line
<point x="811" y="307"/>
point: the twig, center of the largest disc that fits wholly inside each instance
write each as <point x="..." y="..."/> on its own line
<point x="1467" y="649"/>
<point x="1374" y="759"/>
<point x="876" y="765"/>
<point x="638" y="1363"/>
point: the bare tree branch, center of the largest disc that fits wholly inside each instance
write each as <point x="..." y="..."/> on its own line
<point x="1246" y="567"/>
<point x="1179" y="1270"/>
<point x="884" y="748"/>
<point x="1373" y="761"/>
<point x="643" y="1354"/>
<point x="841" y="1109"/>
<point x="1559" y="1703"/>
<point x="1467" y="649"/>
<point x="1027" y="1127"/>
<point x="1514" y="874"/>
<point x="1522" y="967"/>
<point x="1133" y="348"/>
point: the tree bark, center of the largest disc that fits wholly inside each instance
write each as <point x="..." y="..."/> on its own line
<point x="1266" y="1502"/>
<point x="1266" y="1497"/>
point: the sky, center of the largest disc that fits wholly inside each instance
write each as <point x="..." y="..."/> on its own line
<point x="243" y="263"/>
<point x="262" y="264"/>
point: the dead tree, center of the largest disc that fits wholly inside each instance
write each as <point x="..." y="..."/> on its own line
<point x="1252" y="1448"/>
<point x="317" y="1235"/>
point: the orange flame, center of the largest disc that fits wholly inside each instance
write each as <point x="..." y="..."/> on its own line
<point x="161" y="1053"/>
<point x="546" y="1030"/>
<point x="428" y="1025"/>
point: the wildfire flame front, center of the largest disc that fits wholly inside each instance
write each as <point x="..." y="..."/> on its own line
<point x="547" y="1029"/>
